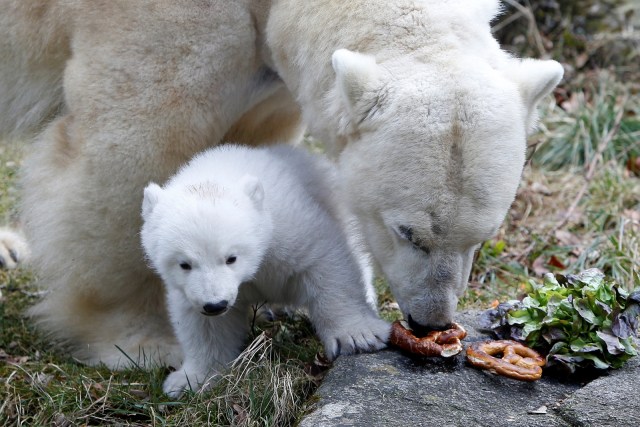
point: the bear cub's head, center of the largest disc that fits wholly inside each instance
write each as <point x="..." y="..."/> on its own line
<point x="204" y="239"/>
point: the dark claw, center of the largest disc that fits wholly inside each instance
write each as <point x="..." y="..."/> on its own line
<point x="14" y="255"/>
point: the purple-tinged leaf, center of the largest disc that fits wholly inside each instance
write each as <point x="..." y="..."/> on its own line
<point x="614" y="346"/>
<point x="626" y="324"/>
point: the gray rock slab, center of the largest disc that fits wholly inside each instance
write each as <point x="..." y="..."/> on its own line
<point x="611" y="400"/>
<point x="389" y="388"/>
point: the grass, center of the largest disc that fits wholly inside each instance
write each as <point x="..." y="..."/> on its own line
<point x="268" y="385"/>
<point x="578" y="207"/>
<point x="579" y="202"/>
<point x="603" y="108"/>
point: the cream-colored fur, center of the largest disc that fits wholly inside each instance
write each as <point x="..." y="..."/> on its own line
<point x="428" y="119"/>
<point x="237" y="227"/>
<point x="14" y="249"/>
<point x="425" y="114"/>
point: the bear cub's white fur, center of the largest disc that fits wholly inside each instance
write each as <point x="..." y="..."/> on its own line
<point x="237" y="226"/>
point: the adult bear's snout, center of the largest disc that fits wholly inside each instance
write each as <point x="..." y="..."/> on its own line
<point x="422" y="330"/>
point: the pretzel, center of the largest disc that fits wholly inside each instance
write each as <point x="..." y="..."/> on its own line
<point x="435" y="343"/>
<point x="518" y="361"/>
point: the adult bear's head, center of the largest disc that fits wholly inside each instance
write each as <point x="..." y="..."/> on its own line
<point x="433" y="157"/>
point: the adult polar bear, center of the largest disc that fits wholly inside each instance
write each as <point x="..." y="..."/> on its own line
<point x="425" y="114"/>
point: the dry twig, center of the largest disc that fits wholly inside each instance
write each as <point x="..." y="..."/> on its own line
<point x="533" y="26"/>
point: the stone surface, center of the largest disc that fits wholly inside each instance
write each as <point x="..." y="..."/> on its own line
<point x="392" y="389"/>
<point x="611" y="400"/>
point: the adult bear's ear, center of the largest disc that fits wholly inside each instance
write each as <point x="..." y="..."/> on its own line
<point x="151" y="196"/>
<point x="253" y="188"/>
<point x="358" y="79"/>
<point x="535" y="79"/>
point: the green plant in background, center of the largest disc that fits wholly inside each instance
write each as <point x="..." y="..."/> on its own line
<point x="580" y="321"/>
<point x="600" y="107"/>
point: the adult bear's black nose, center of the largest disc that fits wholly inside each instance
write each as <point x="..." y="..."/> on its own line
<point x="213" y="309"/>
<point x="422" y="330"/>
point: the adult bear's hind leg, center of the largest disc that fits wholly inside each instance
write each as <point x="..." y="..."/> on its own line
<point x="102" y="300"/>
<point x="145" y="90"/>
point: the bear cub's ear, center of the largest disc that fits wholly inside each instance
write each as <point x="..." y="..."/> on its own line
<point x="252" y="187"/>
<point x="151" y="196"/>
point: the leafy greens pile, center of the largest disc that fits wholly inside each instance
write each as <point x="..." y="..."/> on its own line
<point x="579" y="321"/>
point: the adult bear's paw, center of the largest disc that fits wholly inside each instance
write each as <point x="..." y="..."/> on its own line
<point x="366" y="335"/>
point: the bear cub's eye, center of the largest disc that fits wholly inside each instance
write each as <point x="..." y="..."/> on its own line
<point x="231" y="260"/>
<point x="185" y="266"/>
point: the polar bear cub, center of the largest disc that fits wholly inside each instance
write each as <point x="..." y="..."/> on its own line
<point x="237" y="226"/>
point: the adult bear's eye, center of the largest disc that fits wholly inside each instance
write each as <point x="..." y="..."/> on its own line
<point x="407" y="234"/>
<point x="185" y="266"/>
<point x="231" y="260"/>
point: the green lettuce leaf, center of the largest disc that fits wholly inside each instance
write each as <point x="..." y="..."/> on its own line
<point x="583" y="320"/>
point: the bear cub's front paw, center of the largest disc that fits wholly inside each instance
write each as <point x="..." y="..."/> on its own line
<point x="14" y="249"/>
<point x="183" y="380"/>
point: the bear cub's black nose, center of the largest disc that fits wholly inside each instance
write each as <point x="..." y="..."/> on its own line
<point x="213" y="309"/>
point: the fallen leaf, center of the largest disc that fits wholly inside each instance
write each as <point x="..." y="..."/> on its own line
<point x="572" y="104"/>
<point x="241" y="414"/>
<point x="632" y="220"/>
<point x="539" y="266"/>
<point x="540" y="410"/>
<point x="581" y="60"/>
<point x="555" y="262"/>
<point x="633" y="165"/>
<point x="60" y="420"/>
<point x="540" y="188"/>
<point x="96" y="390"/>
<point x="318" y="368"/>
<point x="139" y="393"/>
<point x="18" y="360"/>
<point x="575" y="216"/>
<point x="566" y="238"/>
<point x="391" y="306"/>
<point x="41" y="379"/>
<point x="561" y="95"/>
